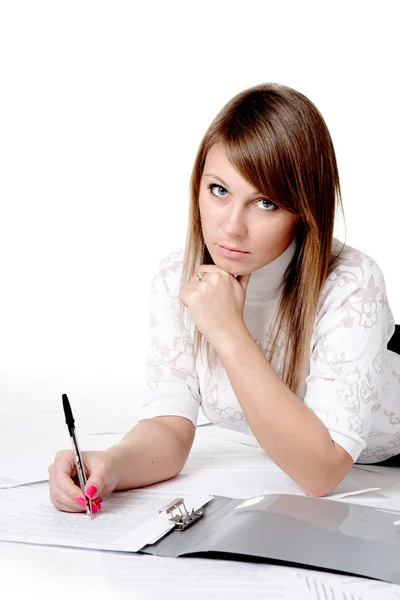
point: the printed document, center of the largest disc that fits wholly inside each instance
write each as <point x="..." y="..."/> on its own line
<point x="127" y="521"/>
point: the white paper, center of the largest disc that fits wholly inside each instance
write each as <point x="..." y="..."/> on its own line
<point x="22" y="465"/>
<point x="231" y="435"/>
<point x="20" y="468"/>
<point x="204" y="578"/>
<point x="242" y="484"/>
<point x="9" y="482"/>
<point x="127" y="521"/>
<point x="58" y="572"/>
<point x="62" y="573"/>
<point x="323" y="585"/>
<point x="199" y="579"/>
<point x="346" y="491"/>
<point x="391" y="471"/>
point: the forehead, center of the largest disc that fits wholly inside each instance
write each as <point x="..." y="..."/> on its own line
<point x="217" y="165"/>
<point x="216" y="158"/>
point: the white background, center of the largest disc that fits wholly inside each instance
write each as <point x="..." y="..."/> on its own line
<point x="102" y="108"/>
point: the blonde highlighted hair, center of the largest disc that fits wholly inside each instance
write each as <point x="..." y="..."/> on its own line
<point x="278" y="141"/>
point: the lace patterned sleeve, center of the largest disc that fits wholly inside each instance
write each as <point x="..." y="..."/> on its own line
<point x="172" y="386"/>
<point x="347" y="360"/>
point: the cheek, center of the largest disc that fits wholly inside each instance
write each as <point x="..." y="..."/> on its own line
<point x="285" y="224"/>
<point x="206" y="213"/>
<point x="292" y="223"/>
<point x="201" y="203"/>
<point x="275" y="232"/>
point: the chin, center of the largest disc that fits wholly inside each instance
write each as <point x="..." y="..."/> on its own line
<point x="234" y="272"/>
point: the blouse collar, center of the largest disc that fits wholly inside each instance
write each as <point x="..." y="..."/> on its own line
<point x="265" y="283"/>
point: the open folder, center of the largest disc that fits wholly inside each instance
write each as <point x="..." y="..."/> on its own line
<point x="296" y="530"/>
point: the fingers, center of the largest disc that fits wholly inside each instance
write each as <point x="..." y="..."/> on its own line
<point x="63" y="490"/>
<point x="98" y="482"/>
<point x="63" y="504"/>
<point x="65" y="494"/>
<point x="91" y="489"/>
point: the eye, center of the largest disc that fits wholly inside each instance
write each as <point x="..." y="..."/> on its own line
<point x="274" y="206"/>
<point x="212" y="186"/>
<point x="270" y="203"/>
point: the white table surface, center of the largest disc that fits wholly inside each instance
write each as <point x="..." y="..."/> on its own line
<point x="55" y="572"/>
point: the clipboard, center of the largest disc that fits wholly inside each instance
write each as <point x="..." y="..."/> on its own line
<point x="301" y="531"/>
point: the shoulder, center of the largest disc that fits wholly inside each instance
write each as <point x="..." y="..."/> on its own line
<point x="354" y="291"/>
<point x="167" y="275"/>
<point x="353" y="274"/>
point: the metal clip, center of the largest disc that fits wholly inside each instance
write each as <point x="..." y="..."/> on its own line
<point x="185" y="519"/>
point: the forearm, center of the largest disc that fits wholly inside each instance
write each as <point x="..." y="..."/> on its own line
<point x="289" y="432"/>
<point x="150" y="452"/>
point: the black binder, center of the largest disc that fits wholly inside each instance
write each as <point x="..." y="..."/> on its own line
<point x="293" y="530"/>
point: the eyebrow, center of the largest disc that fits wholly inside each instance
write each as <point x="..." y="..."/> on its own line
<point x="225" y="184"/>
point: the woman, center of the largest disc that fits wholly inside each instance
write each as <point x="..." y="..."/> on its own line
<point x="286" y="333"/>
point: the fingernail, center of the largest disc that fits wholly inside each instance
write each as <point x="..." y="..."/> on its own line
<point x="91" y="491"/>
<point x="98" y="500"/>
<point x="81" y="500"/>
<point x="95" y="508"/>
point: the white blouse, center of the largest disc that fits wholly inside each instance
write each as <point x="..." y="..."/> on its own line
<point x="353" y="381"/>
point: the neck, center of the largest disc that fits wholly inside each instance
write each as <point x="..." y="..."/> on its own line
<point x="266" y="282"/>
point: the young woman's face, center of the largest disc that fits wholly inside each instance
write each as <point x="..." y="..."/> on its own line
<point x="234" y="214"/>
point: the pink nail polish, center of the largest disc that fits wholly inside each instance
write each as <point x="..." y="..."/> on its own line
<point x="91" y="491"/>
<point x="95" y="508"/>
<point x="81" y="500"/>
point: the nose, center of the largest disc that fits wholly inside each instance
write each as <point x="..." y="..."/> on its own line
<point x="234" y="222"/>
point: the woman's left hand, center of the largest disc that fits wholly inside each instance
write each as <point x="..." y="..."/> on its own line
<point x="216" y="302"/>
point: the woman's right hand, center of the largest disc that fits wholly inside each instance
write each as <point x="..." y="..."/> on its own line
<point x="102" y="478"/>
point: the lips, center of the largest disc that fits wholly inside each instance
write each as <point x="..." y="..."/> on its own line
<point x="234" y="249"/>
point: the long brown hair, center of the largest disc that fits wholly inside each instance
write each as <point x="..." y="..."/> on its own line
<point x="277" y="139"/>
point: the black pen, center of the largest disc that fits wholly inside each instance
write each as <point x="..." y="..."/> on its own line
<point x="70" y="421"/>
